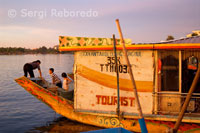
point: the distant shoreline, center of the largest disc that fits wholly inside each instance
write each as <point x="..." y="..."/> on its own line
<point x="38" y="53"/>
<point x="25" y="51"/>
<point x="70" y="52"/>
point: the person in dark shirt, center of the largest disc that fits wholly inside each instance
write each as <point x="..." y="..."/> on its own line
<point x="29" y="67"/>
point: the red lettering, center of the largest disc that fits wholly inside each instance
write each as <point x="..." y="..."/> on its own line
<point x="121" y="101"/>
<point x="125" y="102"/>
<point x="115" y="100"/>
<point x="112" y="100"/>
<point x="103" y="101"/>
<point x="132" y="100"/>
<point x="98" y="99"/>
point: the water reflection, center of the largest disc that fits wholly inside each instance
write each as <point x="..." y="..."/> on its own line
<point x="19" y="110"/>
<point x="61" y="125"/>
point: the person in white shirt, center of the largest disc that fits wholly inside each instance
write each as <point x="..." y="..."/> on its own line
<point x="66" y="82"/>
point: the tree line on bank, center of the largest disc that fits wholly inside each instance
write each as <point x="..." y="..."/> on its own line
<point x="20" y="50"/>
<point x="45" y="50"/>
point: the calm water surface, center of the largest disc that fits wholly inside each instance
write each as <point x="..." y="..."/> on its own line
<point x="19" y="110"/>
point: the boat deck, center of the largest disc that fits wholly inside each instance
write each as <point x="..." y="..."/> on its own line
<point x="69" y="95"/>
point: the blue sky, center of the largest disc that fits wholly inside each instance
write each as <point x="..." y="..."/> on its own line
<point x="144" y="21"/>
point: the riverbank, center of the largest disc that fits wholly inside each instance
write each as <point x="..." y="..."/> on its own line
<point x="36" y="53"/>
<point x="24" y="51"/>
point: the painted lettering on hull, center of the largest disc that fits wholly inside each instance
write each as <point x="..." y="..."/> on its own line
<point x="112" y="100"/>
<point x="110" y="66"/>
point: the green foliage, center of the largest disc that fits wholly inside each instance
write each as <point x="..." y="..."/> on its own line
<point x="194" y="34"/>
<point x="170" y="37"/>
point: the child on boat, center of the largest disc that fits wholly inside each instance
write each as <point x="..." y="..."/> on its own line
<point x="66" y="82"/>
<point x="55" y="79"/>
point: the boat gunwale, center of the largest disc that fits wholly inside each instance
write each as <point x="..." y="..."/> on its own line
<point x="46" y="90"/>
<point x="179" y="46"/>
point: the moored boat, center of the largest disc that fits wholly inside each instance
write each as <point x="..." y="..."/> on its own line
<point x="163" y="74"/>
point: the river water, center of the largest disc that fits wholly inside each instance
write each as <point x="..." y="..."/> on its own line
<point x="19" y="110"/>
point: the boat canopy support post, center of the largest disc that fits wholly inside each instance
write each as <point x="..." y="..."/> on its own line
<point x="117" y="72"/>
<point x="141" y="118"/>
<point x="187" y="100"/>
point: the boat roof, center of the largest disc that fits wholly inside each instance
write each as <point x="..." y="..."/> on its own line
<point x="68" y="43"/>
<point x="194" y="39"/>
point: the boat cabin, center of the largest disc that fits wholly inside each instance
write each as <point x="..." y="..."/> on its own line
<point x="163" y="74"/>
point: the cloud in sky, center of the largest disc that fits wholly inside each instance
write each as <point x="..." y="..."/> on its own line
<point x="142" y="21"/>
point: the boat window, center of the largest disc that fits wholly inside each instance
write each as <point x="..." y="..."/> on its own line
<point x="189" y="68"/>
<point x="169" y="70"/>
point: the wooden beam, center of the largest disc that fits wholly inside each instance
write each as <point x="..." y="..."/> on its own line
<point x="141" y="120"/>
<point x="189" y="95"/>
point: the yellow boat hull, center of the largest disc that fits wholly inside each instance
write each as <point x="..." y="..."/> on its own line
<point x="65" y="108"/>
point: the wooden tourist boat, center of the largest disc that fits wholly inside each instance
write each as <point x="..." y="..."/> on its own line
<point x="163" y="74"/>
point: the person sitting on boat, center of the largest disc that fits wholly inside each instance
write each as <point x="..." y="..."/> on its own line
<point x="55" y="79"/>
<point x="66" y="82"/>
<point x="29" y="67"/>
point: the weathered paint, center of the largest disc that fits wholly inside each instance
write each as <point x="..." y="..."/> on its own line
<point x="95" y="88"/>
<point x="65" y="108"/>
<point x="95" y="74"/>
<point x="84" y="42"/>
<point x="110" y="81"/>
